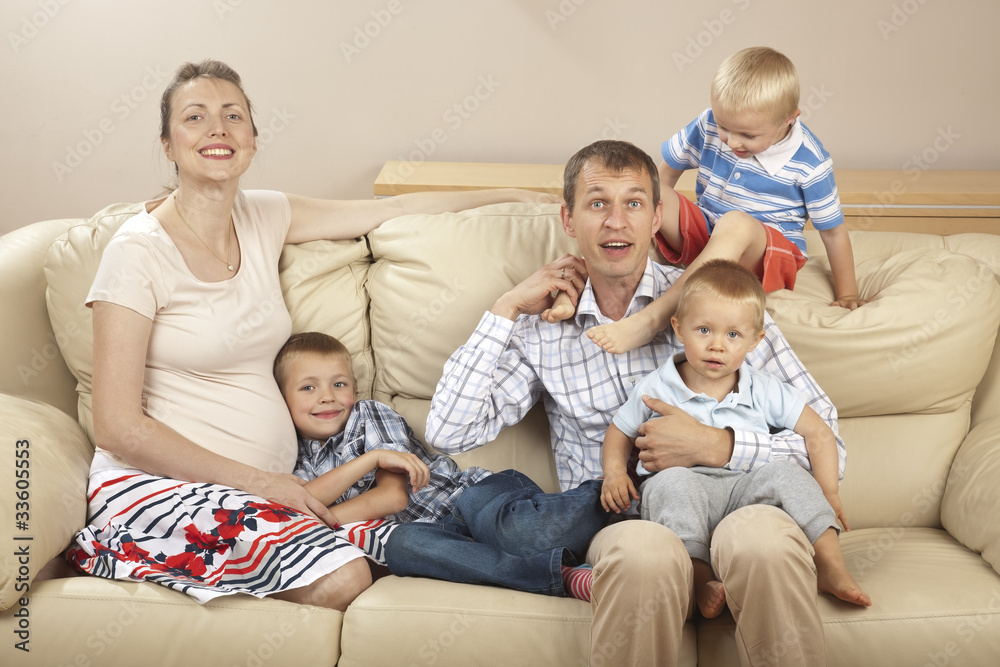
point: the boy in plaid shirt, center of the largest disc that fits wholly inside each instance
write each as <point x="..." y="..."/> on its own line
<point x="363" y="458"/>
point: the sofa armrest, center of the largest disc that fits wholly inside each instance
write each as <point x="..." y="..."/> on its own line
<point x="44" y="466"/>
<point x="971" y="501"/>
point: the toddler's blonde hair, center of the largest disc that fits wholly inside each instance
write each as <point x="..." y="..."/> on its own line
<point x="728" y="281"/>
<point x="758" y="80"/>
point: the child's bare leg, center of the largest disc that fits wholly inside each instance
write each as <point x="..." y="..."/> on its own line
<point x="831" y="571"/>
<point x="737" y="236"/>
<point x="708" y="590"/>
<point x="562" y="309"/>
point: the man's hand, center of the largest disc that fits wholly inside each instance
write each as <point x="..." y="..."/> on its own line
<point x="676" y="439"/>
<point x="534" y="294"/>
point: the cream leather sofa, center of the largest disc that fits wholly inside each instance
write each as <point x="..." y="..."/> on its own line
<point x="915" y="374"/>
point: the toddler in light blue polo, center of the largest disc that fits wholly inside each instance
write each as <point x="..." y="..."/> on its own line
<point x="719" y="319"/>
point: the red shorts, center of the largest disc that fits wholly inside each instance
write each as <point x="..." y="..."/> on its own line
<point x="782" y="258"/>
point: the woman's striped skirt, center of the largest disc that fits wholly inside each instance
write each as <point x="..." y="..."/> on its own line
<point x="205" y="540"/>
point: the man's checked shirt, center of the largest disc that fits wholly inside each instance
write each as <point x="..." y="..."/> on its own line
<point x="505" y="367"/>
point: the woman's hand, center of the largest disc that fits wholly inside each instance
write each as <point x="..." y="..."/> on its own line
<point x="288" y="490"/>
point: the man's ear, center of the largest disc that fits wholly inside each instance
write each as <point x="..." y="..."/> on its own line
<point x="567" y="220"/>
<point x="657" y="217"/>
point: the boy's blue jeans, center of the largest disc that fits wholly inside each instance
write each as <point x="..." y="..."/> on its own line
<point x="504" y="531"/>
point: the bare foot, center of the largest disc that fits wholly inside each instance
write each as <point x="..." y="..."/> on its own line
<point x="624" y="335"/>
<point x="831" y="571"/>
<point x="711" y="598"/>
<point x="562" y="309"/>
<point x="839" y="583"/>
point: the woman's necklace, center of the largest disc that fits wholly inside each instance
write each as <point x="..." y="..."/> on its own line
<point x="229" y="241"/>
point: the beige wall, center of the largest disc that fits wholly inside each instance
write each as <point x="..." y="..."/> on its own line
<point x="342" y="86"/>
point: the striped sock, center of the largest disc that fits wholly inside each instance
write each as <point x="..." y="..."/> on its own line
<point x="578" y="581"/>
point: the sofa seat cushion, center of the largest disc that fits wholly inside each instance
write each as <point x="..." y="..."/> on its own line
<point x="91" y="621"/>
<point x="433" y="622"/>
<point x="919" y="449"/>
<point x="930" y="327"/>
<point x="933" y="602"/>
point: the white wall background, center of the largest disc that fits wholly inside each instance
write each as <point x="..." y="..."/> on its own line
<point x="340" y="87"/>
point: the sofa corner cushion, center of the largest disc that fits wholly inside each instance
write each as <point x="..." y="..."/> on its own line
<point x="930" y="326"/>
<point x="43" y="481"/>
<point x="971" y="504"/>
<point x="70" y="266"/>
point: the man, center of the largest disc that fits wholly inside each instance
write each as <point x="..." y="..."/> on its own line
<point x="642" y="578"/>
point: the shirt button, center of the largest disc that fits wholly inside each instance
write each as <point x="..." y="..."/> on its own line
<point x="737" y="176"/>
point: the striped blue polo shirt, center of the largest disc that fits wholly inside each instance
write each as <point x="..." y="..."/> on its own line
<point x="782" y="187"/>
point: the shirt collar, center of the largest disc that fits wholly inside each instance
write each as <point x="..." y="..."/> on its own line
<point x="644" y="293"/>
<point x="778" y="155"/>
<point x="741" y="396"/>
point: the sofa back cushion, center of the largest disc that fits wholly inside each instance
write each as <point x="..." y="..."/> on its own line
<point x="920" y="346"/>
<point x="432" y="280"/>
<point x="70" y="267"/>
<point x="902" y="369"/>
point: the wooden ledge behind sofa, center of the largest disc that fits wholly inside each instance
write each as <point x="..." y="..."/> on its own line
<point x="929" y="202"/>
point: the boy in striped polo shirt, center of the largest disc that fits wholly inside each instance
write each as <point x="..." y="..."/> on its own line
<point x="761" y="174"/>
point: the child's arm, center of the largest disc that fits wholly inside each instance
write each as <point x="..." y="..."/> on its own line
<point x="821" y="444"/>
<point x="618" y="491"/>
<point x="389" y="496"/>
<point x="668" y="175"/>
<point x="331" y="485"/>
<point x="841" y="256"/>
